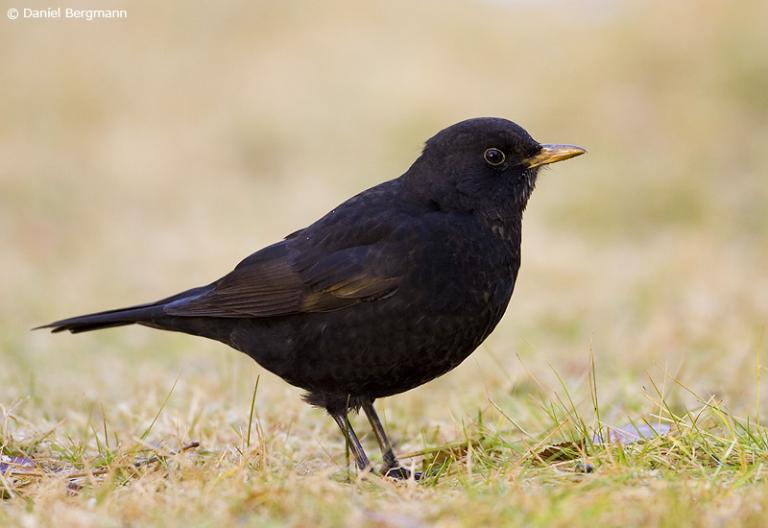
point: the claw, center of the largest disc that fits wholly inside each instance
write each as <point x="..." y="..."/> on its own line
<point x="401" y="473"/>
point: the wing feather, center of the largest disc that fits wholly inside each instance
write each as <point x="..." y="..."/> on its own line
<point x="281" y="280"/>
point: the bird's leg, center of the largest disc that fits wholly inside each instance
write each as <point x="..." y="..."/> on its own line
<point x="392" y="467"/>
<point x="390" y="461"/>
<point x="342" y="420"/>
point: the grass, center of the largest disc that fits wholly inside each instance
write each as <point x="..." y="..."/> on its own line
<point x="143" y="157"/>
<point x="647" y="468"/>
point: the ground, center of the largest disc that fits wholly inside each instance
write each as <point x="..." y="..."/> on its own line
<point x="144" y="156"/>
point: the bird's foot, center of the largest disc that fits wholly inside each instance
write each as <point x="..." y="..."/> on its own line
<point x="401" y="473"/>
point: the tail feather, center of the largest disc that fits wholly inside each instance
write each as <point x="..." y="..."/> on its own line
<point x="120" y="317"/>
<point x="106" y="319"/>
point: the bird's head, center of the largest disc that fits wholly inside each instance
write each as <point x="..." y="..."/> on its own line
<point x="486" y="165"/>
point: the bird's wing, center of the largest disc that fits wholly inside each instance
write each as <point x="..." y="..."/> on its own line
<point x="284" y="280"/>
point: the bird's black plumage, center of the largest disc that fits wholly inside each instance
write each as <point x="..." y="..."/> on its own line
<point x="392" y="288"/>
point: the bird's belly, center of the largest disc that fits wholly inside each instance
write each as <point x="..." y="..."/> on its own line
<point x="369" y="351"/>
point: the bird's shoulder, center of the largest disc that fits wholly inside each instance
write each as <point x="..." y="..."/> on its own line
<point x="383" y="212"/>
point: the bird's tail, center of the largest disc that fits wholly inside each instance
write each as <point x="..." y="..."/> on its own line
<point x="143" y="313"/>
<point x="106" y="319"/>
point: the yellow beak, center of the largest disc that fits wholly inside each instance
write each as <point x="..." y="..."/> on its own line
<point x="553" y="153"/>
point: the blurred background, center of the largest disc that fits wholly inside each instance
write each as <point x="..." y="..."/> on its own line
<point x="143" y="156"/>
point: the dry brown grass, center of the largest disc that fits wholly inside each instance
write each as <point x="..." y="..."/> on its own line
<point x="144" y="156"/>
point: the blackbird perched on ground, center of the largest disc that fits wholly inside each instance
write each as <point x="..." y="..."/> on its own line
<point x="391" y="289"/>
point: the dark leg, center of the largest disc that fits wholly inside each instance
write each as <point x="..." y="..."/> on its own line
<point x="392" y="467"/>
<point x="342" y="420"/>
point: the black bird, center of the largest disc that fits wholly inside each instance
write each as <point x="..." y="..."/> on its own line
<point x="391" y="289"/>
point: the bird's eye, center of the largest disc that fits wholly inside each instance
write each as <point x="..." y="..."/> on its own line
<point x="494" y="157"/>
